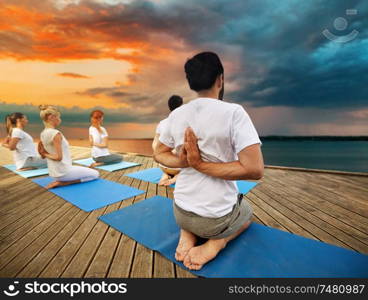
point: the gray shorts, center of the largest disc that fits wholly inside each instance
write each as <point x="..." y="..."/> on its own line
<point x="215" y="228"/>
<point x="108" y="159"/>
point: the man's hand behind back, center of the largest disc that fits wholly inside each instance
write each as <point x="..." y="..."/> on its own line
<point x="193" y="154"/>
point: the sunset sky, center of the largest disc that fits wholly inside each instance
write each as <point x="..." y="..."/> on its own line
<point x="127" y="58"/>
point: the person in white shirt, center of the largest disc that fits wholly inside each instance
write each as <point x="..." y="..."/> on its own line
<point x="21" y="143"/>
<point x="55" y="148"/>
<point x="169" y="175"/>
<point x="99" y="139"/>
<point x="217" y="144"/>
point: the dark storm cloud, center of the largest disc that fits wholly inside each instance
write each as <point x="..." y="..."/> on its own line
<point x="285" y="58"/>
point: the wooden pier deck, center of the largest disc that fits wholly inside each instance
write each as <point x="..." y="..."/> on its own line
<point x="42" y="235"/>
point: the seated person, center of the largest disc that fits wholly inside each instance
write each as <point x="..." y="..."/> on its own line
<point x="170" y="174"/>
<point x="217" y="144"/>
<point x="21" y="143"/>
<point x="99" y="139"/>
<point x="55" y="148"/>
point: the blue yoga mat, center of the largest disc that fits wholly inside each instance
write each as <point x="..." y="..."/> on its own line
<point x="91" y="195"/>
<point x="260" y="251"/>
<point x="29" y="173"/>
<point x="154" y="175"/>
<point x="111" y="167"/>
<point x="151" y="175"/>
<point x="245" y="186"/>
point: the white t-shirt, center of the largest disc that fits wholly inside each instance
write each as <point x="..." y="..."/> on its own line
<point x="161" y="125"/>
<point x="56" y="168"/>
<point x="159" y="129"/>
<point x="25" y="147"/>
<point x="223" y="130"/>
<point x="98" y="138"/>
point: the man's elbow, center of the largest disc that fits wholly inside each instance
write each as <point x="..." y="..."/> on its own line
<point x="257" y="173"/>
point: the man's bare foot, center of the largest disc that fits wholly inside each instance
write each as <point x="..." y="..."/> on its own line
<point x="170" y="181"/>
<point x="186" y="242"/>
<point x="96" y="164"/>
<point x="54" y="184"/>
<point x="164" y="179"/>
<point x="200" y="255"/>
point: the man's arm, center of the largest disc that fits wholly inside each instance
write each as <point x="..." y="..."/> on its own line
<point x="249" y="166"/>
<point x="155" y="141"/>
<point x="163" y="155"/>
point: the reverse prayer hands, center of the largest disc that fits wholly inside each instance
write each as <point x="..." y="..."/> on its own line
<point x="41" y="150"/>
<point x="193" y="155"/>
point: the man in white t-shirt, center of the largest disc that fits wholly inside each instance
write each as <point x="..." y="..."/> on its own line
<point x="216" y="144"/>
<point x="169" y="175"/>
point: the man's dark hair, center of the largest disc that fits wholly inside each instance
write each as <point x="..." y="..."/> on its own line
<point x="174" y="102"/>
<point x="202" y="70"/>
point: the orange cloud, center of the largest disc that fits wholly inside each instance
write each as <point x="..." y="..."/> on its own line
<point x="84" y="31"/>
<point x="72" y="75"/>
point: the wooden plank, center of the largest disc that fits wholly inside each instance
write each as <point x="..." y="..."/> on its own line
<point x="322" y="205"/>
<point x="93" y="259"/>
<point x="64" y="256"/>
<point x="101" y="262"/>
<point x="123" y="258"/>
<point x="163" y="268"/>
<point x="345" y="233"/>
<point x="16" y="230"/>
<point x="143" y="258"/>
<point x="300" y="217"/>
<point x="82" y="259"/>
<point x="264" y="215"/>
<point x="15" y="249"/>
<point x="180" y="272"/>
<point x="335" y="193"/>
<point x="40" y="261"/>
<point x="8" y="249"/>
<point x="24" y="209"/>
<point x="20" y="261"/>
<point x="318" y="200"/>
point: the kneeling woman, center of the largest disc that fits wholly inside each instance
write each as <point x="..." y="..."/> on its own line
<point x="19" y="141"/>
<point x="55" y="148"/>
<point x="98" y="138"/>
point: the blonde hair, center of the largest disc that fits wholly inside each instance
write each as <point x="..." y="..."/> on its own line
<point x="46" y="111"/>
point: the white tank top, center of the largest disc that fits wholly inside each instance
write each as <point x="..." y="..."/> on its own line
<point x="25" y="147"/>
<point x="56" y="168"/>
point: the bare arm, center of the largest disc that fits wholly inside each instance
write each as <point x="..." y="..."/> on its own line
<point x="90" y="137"/>
<point x="163" y="154"/>
<point x="155" y="141"/>
<point x="11" y="143"/>
<point x="104" y="144"/>
<point x="249" y="166"/>
<point x="58" y="155"/>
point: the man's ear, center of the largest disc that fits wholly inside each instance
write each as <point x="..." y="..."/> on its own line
<point x="220" y="80"/>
